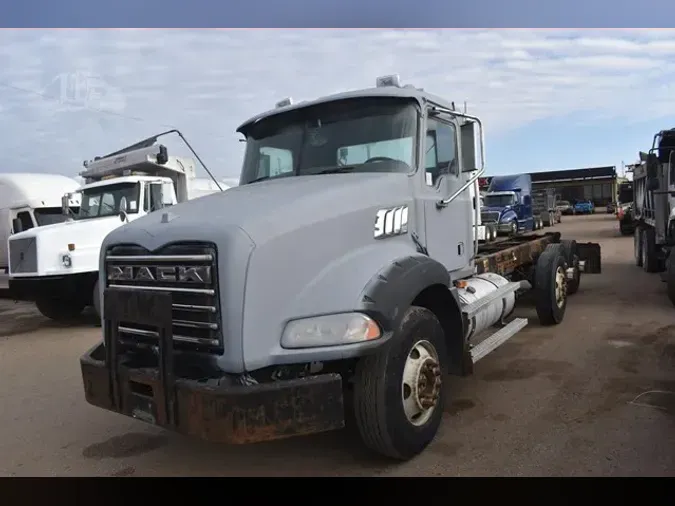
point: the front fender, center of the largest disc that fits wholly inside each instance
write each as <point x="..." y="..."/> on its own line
<point x="392" y="290"/>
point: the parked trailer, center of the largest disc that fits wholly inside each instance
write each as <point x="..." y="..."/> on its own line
<point x="544" y="206"/>
<point x="654" y="209"/>
<point x="391" y="296"/>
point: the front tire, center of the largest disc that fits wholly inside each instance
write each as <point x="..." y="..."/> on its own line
<point x="60" y="310"/>
<point x="398" y="391"/>
<point x="514" y="228"/>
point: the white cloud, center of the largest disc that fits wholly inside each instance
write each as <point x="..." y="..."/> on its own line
<point x="207" y="82"/>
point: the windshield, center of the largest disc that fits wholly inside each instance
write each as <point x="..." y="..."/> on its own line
<point x="355" y="135"/>
<point x="498" y="200"/>
<point x="105" y="200"/>
<point x="50" y="215"/>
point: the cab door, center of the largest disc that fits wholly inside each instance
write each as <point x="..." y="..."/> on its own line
<point x="448" y="233"/>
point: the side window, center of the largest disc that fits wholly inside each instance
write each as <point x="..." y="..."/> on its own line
<point x="275" y="162"/>
<point x="152" y="200"/>
<point x="26" y="220"/>
<point x="441" y="151"/>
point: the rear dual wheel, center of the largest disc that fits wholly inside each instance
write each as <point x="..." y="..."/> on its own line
<point x="550" y="285"/>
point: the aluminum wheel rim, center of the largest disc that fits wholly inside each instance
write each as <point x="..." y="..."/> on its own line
<point x="421" y="383"/>
<point x="560" y="286"/>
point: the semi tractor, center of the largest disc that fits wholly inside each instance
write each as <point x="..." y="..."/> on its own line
<point x="508" y="205"/>
<point x="345" y="286"/>
<point x="56" y="266"/>
<point x="654" y="209"/>
<point x="30" y="200"/>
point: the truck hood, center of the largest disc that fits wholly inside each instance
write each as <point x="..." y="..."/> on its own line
<point x="79" y="232"/>
<point x="495" y="209"/>
<point x="272" y="208"/>
<point x="286" y="249"/>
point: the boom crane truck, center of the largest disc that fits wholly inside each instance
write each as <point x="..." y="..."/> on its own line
<point x="345" y="286"/>
<point x="654" y="209"/>
<point x="56" y="266"/>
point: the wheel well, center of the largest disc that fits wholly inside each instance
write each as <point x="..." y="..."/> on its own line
<point x="439" y="300"/>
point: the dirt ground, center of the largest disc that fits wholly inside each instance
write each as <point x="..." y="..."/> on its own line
<point x="592" y="396"/>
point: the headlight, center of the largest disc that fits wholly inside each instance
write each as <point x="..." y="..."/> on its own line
<point x="66" y="260"/>
<point x="330" y="330"/>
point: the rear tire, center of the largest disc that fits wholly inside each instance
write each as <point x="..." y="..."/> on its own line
<point x="650" y="262"/>
<point x="624" y="228"/>
<point x="59" y="310"/>
<point x="551" y="285"/>
<point x="391" y="386"/>
<point x="637" y="246"/>
<point x="572" y="256"/>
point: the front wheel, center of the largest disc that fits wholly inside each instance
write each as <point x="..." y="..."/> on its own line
<point x="514" y="228"/>
<point x="398" y="392"/>
<point x="60" y="310"/>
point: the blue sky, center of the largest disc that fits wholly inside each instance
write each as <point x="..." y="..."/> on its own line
<point x="550" y="99"/>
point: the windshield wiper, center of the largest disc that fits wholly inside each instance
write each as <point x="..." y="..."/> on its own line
<point x="337" y="170"/>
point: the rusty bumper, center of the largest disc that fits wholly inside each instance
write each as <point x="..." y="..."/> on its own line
<point x="229" y="414"/>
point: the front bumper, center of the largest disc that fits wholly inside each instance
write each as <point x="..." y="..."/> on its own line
<point x="233" y="414"/>
<point x="67" y="286"/>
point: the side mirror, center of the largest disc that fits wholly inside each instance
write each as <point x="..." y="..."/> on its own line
<point x="16" y="225"/>
<point x="123" y="209"/>
<point x="467" y="136"/>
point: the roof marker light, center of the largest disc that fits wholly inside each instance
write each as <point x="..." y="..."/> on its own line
<point x="386" y="81"/>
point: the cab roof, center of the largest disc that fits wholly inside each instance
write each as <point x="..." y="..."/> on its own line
<point x="402" y="92"/>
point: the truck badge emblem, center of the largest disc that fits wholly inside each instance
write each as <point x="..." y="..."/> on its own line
<point x="391" y="222"/>
<point x="153" y="273"/>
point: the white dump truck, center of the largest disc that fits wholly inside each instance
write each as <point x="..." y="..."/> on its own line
<point x="56" y="266"/>
<point x="30" y="200"/>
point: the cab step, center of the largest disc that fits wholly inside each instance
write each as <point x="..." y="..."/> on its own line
<point x="497" y="339"/>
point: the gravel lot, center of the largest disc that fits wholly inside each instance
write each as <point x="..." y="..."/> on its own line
<point x="592" y="396"/>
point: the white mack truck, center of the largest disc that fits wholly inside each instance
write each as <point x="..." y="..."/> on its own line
<point x="56" y="266"/>
<point x="341" y="280"/>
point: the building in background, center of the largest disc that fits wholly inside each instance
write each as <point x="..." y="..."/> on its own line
<point x="598" y="184"/>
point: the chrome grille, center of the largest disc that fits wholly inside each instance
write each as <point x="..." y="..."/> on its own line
<point x="23" y="255"/>
<point x="189" y="272"/>
<point x="489" y="217"/>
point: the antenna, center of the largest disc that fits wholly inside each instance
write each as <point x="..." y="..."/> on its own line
<point x="465" y="107"/>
